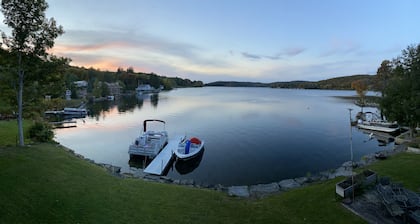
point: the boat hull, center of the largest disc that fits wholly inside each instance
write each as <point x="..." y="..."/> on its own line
<point x="378" y="128"/>
<point x="194" y="151"/>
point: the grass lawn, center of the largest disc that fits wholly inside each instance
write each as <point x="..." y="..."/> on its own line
<point x="46" y="184"/>
<point x="403" y="168"/>
<point x="9" y="132"/>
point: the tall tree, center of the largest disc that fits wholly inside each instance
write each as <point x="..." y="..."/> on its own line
<point x="383" y="75"/>
<point x="32" y="35"/>
<point x="401" y="101"/>
<point x="361" y="88"/>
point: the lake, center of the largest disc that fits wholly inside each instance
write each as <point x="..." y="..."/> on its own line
<point x="252" y="135"/>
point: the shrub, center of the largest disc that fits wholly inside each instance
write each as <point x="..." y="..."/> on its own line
<point x="41" y="132"/>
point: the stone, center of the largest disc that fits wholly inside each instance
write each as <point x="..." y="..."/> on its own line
<point x="314" y="178"/>
<point x="187" y="182"/>
<point x="288" y="184"/>
<point x="324" y="175"/>
<point x="347" y="164"/>
<point x="331" y="176"/>
<point x="302" y="180"/>
<point x="127" y="175"/>
<point x="113" y="169"/>
<point x="151" y="177"/>
<point x="239" y="191"/>
<point x="219" y="187"/>
<point x="166" y="178"/>
<point x="342" y="172"/>
<point x="206" y="185"/>
<point x="90" y="160"/>
<point x="177" y="182"/>
<point x="139" y="174"/>
<point x="264" y="189"/>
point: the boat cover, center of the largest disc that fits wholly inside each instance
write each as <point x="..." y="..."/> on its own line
<point x="195" y="140"/>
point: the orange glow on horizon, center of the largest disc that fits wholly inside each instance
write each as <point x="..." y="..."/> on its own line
<point x="110" y="64"/>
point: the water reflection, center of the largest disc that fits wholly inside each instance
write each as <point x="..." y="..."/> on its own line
<point x="253" y="135"/>
<point x="127" y="104"/>
<point x="152" y="97"/>
<point x="187" y="166"/>
<point x="139" y="162"/>
<point x="124" y="104"/>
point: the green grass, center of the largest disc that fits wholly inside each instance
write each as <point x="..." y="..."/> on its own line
<point x="8" y="132"/>
<point x="46" y="184"/>
<point x="403" y="168"/>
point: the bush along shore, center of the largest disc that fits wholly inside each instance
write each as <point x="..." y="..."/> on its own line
<point x="258" y="190"/>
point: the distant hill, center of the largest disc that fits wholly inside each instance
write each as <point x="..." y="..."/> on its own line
<point x="238" y="84"/>
<point x="343" y="83"/>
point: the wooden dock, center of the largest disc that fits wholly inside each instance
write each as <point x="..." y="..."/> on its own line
<point x="160" y="162"/>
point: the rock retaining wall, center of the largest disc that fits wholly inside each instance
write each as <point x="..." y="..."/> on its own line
<point x="258" y="190"/>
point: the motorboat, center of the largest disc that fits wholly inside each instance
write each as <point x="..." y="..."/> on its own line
<point x="371" y="121"/>
<point x="74" y="111"/>
<point x="146" y="88"/>
<point x="150" y="142"/>
<point x="189" y="148"/>
<point x="381" y="126"/>
<point x="67" y="113"/>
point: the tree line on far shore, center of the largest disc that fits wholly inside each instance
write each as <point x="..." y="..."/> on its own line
<point x="337" y="83"/>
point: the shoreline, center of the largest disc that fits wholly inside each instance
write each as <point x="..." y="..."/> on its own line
<point x="256" y="190"/>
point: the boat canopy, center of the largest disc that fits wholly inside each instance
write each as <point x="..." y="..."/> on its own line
<point x="150" y="120"/>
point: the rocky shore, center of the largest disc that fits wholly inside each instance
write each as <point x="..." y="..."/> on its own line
<point x="258" y="190"/>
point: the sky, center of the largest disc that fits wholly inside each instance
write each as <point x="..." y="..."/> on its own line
<point x="235" y="40"/>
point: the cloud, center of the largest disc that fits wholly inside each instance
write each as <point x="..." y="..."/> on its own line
<point x="251" y="56"/>
<point x="103" y="39"/>
<point x="288" y="52"/>
<point x="294" y="51"/>
<point x="140" y="50"/>
<point x="274" y="57"/>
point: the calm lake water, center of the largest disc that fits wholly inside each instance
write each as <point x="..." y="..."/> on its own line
<point x="252" y="135"/>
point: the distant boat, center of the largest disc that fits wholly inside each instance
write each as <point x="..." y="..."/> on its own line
<point x="146" y="88"/>
<point x="69" y="112"/>
<point x="149" y="143"/>
<point x="75" y="111"/>
<point x="189" y="148"/>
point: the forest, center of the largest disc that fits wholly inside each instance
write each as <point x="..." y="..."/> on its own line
<point x="338" y="83"/>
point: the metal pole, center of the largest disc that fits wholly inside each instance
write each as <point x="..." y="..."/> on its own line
<point x="351" y="154"/>
<point x="351" y="139"/>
